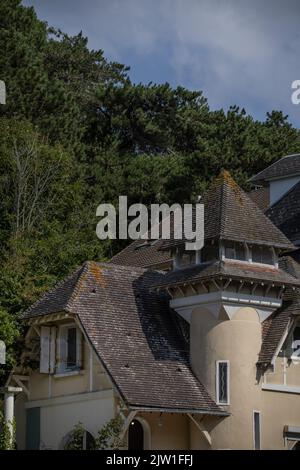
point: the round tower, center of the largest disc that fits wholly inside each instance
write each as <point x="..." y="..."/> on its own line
<point x="226" y="293"/>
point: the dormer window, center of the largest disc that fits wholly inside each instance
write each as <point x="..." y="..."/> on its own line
<point x="291" y="348"/>
<point x="235" y="250"/>
<point x="262" y="254"/>
<point x="251" y="254"/>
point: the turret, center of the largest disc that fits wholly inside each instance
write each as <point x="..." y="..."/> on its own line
<point x="225" y="293"/>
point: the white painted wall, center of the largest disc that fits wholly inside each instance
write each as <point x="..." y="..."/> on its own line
<point x="279" y="187"/>
<point x="60" y="415"/>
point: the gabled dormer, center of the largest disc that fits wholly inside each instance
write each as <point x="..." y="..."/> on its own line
<point x="279" y="177"/>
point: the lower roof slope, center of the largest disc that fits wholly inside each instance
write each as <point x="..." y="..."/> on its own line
<point x="286" y="166"/>
<point x="261" y="197"/>
<point x="142" y="253"/>
<point x="226" y="269"/>
<point x="275" y="326"/>
<point x="134" y="334"/>
<point x="285" y="213"/>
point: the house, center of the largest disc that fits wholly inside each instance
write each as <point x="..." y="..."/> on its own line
<point x="194" y="352"/>
<point x="273" y="182"/>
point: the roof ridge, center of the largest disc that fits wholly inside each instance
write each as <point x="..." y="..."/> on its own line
<point x="254" y="177"/>
<point x="108" y="264"/>
<point x="229" y="186"/>
<point x="56" y="286"/>
<point x="78" y="284"/>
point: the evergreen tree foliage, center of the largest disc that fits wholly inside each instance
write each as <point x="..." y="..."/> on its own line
<point x="76" y="132"/>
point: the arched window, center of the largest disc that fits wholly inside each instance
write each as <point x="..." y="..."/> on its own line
<point x="135" y="436"/>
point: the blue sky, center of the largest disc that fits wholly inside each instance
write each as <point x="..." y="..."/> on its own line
<point x="236" y="51"/>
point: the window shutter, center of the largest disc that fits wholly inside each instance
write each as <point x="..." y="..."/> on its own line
<point x="45" y="350"/>
<point x="52" y="350"/>
<point x="79" y="348"/>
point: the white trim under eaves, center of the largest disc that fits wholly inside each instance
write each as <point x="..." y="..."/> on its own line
<point x="281" y="388"/>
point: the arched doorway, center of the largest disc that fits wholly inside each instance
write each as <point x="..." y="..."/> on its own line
<point x="135" y="436"/>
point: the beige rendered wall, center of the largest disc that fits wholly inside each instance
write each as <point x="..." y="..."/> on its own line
<point x="279" y="409"/>
<point x="285" y="372"/>
<point x="168" y="431"/>
<point x="58" y="417"/>
<point x="237" y="340"/>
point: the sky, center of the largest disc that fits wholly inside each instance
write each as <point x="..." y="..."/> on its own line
<point x="236" y="51"/>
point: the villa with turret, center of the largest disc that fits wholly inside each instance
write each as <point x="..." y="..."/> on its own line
<point x="193" y="350"/>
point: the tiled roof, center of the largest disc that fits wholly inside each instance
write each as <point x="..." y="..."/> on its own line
<point x="275" y="326"/>
<point x="286" y="166"/>
<point x="134" y="333"/>
<point x="229" y="214"/>
<point x="226" y="269"/>
<point x="285" y="213"/>
<point x="142" y="254"/>
<point x="273" y="330"/>
<point x="261" y="197"/>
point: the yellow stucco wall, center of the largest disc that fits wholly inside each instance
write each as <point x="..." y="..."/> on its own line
<point x="237" y="340"/>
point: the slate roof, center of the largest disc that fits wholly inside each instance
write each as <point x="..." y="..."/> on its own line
<point x="275" y="326"/>
<point x="142" y="254"/>
<point x="286" y="166"/>
<point x="229" y="214"/>
<point x="226" y="269"/>
<point x="285" y="213"/>
<point x="261" y="197"/>
<point x="134" y="333"/>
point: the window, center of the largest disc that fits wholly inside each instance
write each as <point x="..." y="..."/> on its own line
<point x="69" y="349"/>
<point x="222" y="382"/>
<point x="209" y="253"/>
<point x="262" y="254"/>
<point x="291" y="347"/>
<point x="187" y="259"/>
<point x="235" y="251"/>
<point x="256" y="430"/>
<point x="295" y="346"/>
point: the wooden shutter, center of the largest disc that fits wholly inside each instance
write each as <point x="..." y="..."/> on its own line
<point x="45" y="350"/>
<point x="52" y="350"/>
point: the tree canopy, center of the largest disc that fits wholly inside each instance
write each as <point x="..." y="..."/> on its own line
<point x="76" y="132"/>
